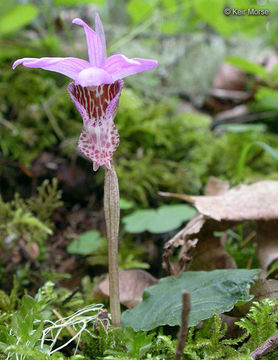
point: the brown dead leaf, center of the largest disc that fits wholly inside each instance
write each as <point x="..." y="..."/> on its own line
<point x="216" y="186"/>
<point x="219" y="211"/>
<point x="132" y="283"/>
<point x="258" y="201"/>
<point x="267" y="250"/>
<point x="192" y="228"/>
<point x="233" y="331"/>
<point x="265" y="288"/>
<point x="34" y="250"/>
<point x="261" y="289"/>
<point x="270" y="62"/>
<point x="210" y="254"/>
<point x="201" y="250"/>
<point x="235" y="112"/>
<point x="229" y="77"/>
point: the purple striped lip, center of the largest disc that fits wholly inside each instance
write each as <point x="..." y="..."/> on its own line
<point x="97" y="105"/>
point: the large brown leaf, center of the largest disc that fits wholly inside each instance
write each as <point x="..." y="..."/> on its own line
<point x="258" y="201"/>
<point x="220" y="210"/>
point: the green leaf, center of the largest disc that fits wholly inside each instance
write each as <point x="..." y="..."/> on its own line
<point x="211" y="291"/>
<point x="207" y="11"/>
<point x="126" y="204"/>
<point x="87" y="243"/>
<point x="272" y="152"/>
<point x="245" y="151"/>
<point x="139" y="9"/>
<point x="77" y="2"/>
<point x="241" y="128"/>
<point x="18" y="17"/>
<point x="163" y="219"/>
<point x="247" y="66"/>
<point x="267" y="98"/>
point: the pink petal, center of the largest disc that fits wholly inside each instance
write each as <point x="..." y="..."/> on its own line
<point x="68" y="66"/>
<point x="100" y="31"/>
<point x="119" y="66"/>
<point x="93" y="76"/>
<point x="93" y="43"/>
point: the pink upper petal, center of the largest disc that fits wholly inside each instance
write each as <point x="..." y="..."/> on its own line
<point x="93" y="43"/>
<point x="100" y="31"/>
<point x="68" y="66"/>
<point x="119" y="66"/>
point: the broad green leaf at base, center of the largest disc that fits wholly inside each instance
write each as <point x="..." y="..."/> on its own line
<point x="88" y="243"/>
<point x="157" y="221"/>
<point x="217" y="290"/>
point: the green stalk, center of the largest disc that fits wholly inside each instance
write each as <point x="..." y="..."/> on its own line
<point x="112" y="218"/>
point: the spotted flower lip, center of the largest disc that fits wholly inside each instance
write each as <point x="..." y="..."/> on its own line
<point x="98" y="106"/>
<point x="99" y="69"/>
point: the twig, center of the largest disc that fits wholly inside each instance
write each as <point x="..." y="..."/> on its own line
<point x="230" y="94"/>
<point x="166" y="264"/>
<point x="184" y="324"/>
<point x="244" y="118"/>
<point x="69" y="328"/>
<point x="52" y="121"/>
<point x="67" y="299"/>
<point x="265" y="348"/>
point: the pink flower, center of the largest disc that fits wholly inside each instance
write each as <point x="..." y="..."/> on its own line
<point x="95" y="91"/>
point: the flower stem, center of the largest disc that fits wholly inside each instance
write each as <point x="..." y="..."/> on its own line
<point x="112" y="218"/>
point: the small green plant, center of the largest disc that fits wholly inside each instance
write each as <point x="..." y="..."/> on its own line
<point x="259" y="324"/>
<point x="25" y="225"/>
<point x="20" y="334"/>
<point x="126" y="344"/>
<point x="210" y="343"/>
<point x="29" y="219"/>
<point x="94" y="246"/>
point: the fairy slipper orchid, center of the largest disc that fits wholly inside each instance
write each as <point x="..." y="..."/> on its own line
<point x="95" y="90"/>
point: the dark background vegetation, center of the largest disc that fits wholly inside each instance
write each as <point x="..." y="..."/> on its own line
<point x="209" y="109"/>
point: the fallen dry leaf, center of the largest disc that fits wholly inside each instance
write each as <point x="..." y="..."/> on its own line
<point x="261" y="289"/>
<point x="265" y="288"/>
<point x="267" y="238"/>
<point x="216" y="186"/>
<point x="201" y="250"/>
<point x="233" y="331"/>
<point x="229" y="77"/>
<point x="222" y="210"/>
<point x="210" y="254"/>
<point x="132" y="283"/>
<point x="258" y="201"/>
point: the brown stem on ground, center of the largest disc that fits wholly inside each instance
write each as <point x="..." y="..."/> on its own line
<point x="184" y="324"/>
<point x="69" y="328"/>
<point x="112" y="218"/>
<point x="265" y="348"/>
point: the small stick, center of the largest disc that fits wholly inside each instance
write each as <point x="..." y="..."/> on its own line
<point x="265" y="348"/>
<point x="186" y="307"/>
<point x="69" y="328"/>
